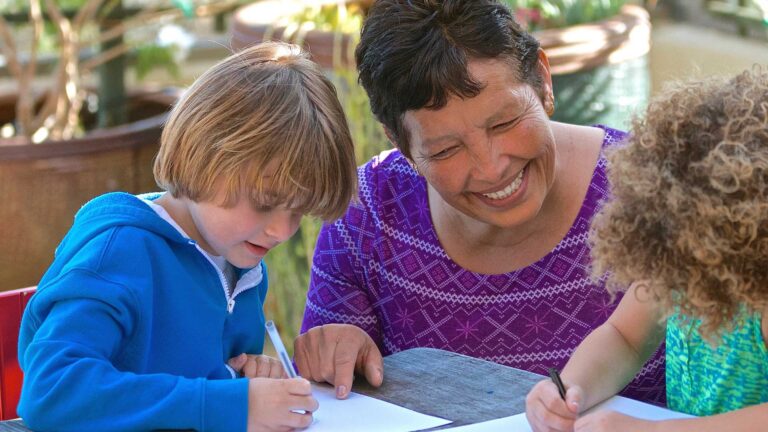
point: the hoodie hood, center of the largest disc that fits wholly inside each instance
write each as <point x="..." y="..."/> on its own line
<point x="106" y="212"/>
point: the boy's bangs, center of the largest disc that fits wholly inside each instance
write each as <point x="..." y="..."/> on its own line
<point x="299" y="185"/>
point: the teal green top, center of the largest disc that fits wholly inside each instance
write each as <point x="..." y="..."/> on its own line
<point x="705" y="380"/>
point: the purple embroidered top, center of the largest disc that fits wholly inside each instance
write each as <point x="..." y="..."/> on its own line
<point x="382" y="268"/>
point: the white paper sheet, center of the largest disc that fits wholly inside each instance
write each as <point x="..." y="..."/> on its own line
<point x="363" y="413"/>
<point x="518" y="423"/>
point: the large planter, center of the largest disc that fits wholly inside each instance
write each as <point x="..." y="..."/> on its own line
<point x="254" y="23"/>
<point x="600" y="70"/>
<point x="43" y="185"/>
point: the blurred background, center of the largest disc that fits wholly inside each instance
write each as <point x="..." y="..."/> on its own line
<point x="85" y="85"/>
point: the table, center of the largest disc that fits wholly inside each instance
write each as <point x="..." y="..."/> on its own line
<point x="439" y="383"/>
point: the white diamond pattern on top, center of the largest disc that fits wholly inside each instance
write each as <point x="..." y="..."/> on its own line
<point x="336" y="317"/>
<point x="366" y="192"/>
<point x="477" y="300"/>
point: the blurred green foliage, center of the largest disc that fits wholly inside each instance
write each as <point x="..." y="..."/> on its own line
<point x="152" y="57"/>
<point x="289" y="264"/>
<point x="543" y="14"/>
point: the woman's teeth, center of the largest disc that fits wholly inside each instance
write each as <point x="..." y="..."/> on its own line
<point x="509" y="190"/>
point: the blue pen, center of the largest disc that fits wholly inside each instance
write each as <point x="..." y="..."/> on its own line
<point x="280" y="349"/>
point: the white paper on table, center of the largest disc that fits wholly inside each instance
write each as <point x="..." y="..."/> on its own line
<point x="515" y="423"/>
<point x="518" y="423"/>
<point x="639" y="409"/>
<point x="362" y="413"/>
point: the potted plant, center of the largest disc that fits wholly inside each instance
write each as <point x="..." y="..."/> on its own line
<point x="59" y="146"/>
<point x="598" y="54"/>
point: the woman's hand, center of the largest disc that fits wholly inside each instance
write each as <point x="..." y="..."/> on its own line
<point x="280" y="405"/>
<point x="257" y="366"/>
<point x="548" y="412"/>
<point x="611" y="421"/>
<point x="332" y="353"/>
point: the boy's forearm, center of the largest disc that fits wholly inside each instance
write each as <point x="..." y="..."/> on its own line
<point x="750" y="419"/>
<point x="602" y="365"/>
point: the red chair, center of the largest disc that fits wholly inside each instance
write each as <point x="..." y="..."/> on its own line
<point x="12" y="304"/>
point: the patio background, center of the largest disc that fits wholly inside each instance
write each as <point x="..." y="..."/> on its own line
<point x="687" y="41"/>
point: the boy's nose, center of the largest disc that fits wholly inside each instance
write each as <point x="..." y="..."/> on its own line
<point x="281" y="226"/>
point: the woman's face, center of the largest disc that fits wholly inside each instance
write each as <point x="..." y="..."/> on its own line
<point x="491" y="157"/>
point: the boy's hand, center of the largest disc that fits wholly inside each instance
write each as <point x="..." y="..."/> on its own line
<point x="257" y="366"/>
<point x="332" y="353"/>
<point x="277" y="405"/>
<point x="547" y="412"/>
<point x="609" y="421"/>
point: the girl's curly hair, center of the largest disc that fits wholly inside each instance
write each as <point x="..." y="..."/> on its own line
<point x="689" y="206"/>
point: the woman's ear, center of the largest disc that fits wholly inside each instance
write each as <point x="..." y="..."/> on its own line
<point x="548" y="95"/>
<point x="390" y="136"/>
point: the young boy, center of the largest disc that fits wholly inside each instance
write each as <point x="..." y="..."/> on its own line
<point x="149" y="297"/>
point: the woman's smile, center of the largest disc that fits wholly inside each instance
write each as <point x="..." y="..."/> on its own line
<point x="507" y="190"/>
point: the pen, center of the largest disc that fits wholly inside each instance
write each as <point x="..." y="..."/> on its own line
<point x="280" y="348"/>
<point x="558" y="382"/>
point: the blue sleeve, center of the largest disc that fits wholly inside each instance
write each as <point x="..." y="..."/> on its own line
<point x="70" y="383"/>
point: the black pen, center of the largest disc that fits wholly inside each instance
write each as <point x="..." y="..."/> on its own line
<point x="558" y="382"/>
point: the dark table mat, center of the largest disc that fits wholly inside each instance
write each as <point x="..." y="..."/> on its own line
<point x="451" y="386"/>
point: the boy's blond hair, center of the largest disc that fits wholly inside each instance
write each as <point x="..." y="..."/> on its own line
<point x="689" y="212"/>
<point x="266" y="103"/>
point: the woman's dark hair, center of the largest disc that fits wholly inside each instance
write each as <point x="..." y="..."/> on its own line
<point x="414" y="54"/>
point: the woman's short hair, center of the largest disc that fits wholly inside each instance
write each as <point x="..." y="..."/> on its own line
<point x="689" y="207"/>
<point x="266" y="103"/>
<point x="414" y="54"/>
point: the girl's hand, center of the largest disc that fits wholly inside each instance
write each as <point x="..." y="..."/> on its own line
<point x="547" y="412"/>
<point x="611" y="421"/>
<point x="257" y="366"/>
<point x="280" y="404"/>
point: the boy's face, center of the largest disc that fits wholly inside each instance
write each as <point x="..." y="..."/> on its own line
<point x="242" y="234"/>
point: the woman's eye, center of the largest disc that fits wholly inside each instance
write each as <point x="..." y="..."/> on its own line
<point x="442" y="154"/>
<point x="504" y="125"/>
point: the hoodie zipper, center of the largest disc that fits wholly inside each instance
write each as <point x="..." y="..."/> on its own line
<point x="224" y="284"/>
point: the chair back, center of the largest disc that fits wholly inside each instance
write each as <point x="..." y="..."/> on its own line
<point x="12" y="304"/>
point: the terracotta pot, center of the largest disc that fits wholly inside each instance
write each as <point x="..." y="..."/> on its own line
<point x="600" y="70"/>
<point x="254" y="23"/>
<point x="582" y="47"/>
<point x="43" y="185"/>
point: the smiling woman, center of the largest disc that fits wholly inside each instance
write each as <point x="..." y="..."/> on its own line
<point x="471" y="235"/>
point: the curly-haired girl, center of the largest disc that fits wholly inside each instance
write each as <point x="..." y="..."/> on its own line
<point x="687" y="230"/>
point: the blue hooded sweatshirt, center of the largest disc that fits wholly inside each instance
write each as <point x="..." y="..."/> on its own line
<point x="131" y="328"/>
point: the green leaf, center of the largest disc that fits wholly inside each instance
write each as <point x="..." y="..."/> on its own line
<point x="151" y="57"/>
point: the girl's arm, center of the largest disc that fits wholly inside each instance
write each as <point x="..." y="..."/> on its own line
<point x="610" y="356"/>
<point x="750" y="419"/>
<point x="753" y="418"/>
<point x="602" y="364"/>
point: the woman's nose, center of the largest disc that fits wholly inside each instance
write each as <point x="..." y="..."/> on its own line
<point x="488" y="165"/>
